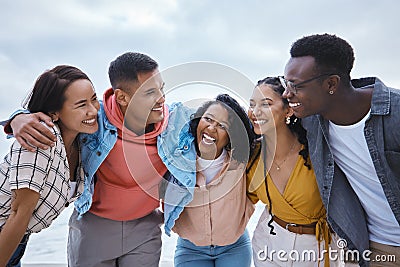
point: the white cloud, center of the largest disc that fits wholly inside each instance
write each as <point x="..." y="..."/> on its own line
<point x="253" y="37"/>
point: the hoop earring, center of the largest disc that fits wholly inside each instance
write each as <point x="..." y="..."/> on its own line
<point x="331" y="92"/>
<point x="287" y="120"/>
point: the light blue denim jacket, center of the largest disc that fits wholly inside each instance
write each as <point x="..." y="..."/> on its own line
<point x="381" y="131"/>
<point x="94" y="149"/>
<point x="176" y="149"/>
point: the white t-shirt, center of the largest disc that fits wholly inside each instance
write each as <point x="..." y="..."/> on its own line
<point x="210" y="168"/>
<point x="351" y="154"/>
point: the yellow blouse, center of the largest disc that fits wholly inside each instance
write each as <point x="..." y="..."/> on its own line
<point x="300" y="202"/>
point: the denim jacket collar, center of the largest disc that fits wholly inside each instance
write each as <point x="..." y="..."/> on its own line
<point x="380" y="104"/>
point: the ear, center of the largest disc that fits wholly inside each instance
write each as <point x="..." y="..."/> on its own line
<point x="122" y="97"/>
<point x="333" y="83"/>
<point x="54" y="116"/>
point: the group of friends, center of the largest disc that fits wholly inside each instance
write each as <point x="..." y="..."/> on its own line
<point x="318" y="148"/>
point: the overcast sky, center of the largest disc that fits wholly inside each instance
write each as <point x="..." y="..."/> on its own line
<point x="252" y="37"/>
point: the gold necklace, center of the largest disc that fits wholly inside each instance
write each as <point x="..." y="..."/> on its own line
<point x="278" y="166"/>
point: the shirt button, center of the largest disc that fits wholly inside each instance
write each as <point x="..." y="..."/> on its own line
<point x="84" y="140"/>
<point x="185" y="147"/>
<point x="98" y="153"/>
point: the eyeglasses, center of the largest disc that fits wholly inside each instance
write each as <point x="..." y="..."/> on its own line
<point x="292" y="87"/>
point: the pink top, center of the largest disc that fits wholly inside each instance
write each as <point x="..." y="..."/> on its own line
<point x="219" y="211"/>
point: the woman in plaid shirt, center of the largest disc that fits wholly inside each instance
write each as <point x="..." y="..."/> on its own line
<point x="36" y="185"/>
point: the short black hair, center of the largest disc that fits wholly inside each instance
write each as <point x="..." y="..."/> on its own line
<point x="48" y="93"/>
<point x="239" y="130"/>
<point x="125" y="68"/>
<point x="332" y="54"/>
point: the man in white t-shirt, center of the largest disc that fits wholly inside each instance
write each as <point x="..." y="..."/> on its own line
<point x="354" y="142"/>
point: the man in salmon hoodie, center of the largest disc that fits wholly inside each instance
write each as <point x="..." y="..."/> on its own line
<point x="116" y="221"/>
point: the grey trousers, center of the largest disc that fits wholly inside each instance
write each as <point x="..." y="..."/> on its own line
<point x="94" y="241"/>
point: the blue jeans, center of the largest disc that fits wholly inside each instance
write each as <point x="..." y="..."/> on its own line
<point x="237" y="254"/>
<point x="15" y="260"/>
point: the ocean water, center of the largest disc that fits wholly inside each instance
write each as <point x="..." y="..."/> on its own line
<point x="50" y="245"/>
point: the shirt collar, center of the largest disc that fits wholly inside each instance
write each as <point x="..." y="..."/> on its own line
<point x="380" y="103"/>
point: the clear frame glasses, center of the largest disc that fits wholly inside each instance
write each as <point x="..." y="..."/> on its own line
<point x="292" y="87"/>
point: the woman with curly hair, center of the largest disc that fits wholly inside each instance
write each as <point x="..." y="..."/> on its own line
<point x="212" y="227"/>
<point x="281" y="176"/>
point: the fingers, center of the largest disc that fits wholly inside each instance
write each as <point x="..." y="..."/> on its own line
<point x="25" y="144"/>
<point x="45" y="118"/>
<point x="31" y="133"/>
<point x="32" y="138"/>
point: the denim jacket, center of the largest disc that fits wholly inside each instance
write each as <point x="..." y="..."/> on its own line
<point x="94" y="149"/>
<point x="345" y="213"/>
<point x="174" y="147"/>
<point x="177" y="151"/>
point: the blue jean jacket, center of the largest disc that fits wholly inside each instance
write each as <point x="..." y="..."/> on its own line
<point x="345" y="213"/>
<point x="94" y="149"/>
<point x="176" y="149"/>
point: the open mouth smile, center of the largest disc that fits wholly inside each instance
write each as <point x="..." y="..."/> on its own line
<point x="207" y="139"/>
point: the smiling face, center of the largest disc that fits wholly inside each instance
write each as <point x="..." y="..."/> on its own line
<point x="146" y="101"/>
<point x="312" y="97"/>
<point x="79" y="111"/>
<point x="267" y="111"/>
<point x="212" y="132"/>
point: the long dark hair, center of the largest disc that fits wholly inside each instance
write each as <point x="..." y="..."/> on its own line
<point x="295" y="123"/>
<point x="48" y="92"/>
<point x="295" y="127"/>
<point x="240" y="128"/>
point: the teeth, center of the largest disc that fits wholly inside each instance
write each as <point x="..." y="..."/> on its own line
<point x="293" y="105"/>
<point x="157" y="109"/>
<point x="260" y="122"/>
<point x="91" y="121"/>
<point x="208" y="139"/>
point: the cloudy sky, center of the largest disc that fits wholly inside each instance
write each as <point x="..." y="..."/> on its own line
<point x="252" y="37"/>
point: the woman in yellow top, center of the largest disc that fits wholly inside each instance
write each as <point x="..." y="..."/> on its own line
<point x="293" y="227"/>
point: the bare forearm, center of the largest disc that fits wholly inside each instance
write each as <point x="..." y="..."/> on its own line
<point x="11" y="235"/>
<point x="23" y="204"/>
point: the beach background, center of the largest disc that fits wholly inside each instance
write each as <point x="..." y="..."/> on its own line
<point x="252" y="37"/>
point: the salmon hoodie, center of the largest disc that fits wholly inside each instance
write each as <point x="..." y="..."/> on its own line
<point x="127" y="181"/>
